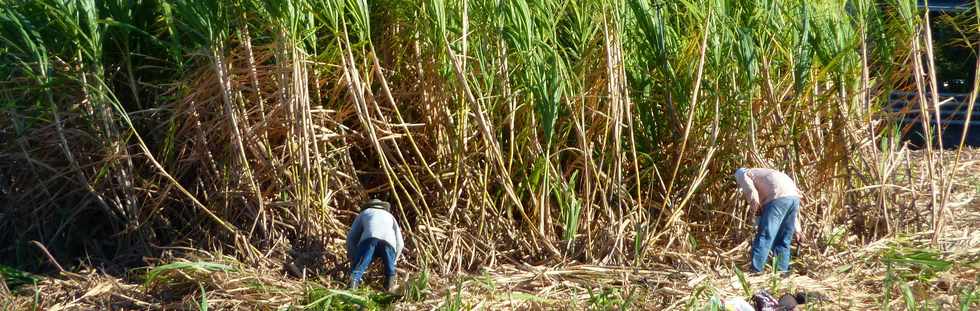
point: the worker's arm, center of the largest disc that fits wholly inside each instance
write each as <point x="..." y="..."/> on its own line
<point x="354" y="236"/>
<point x="399" y="241"/>
<point x="799" y="217"/>
<point x="749" y="191"/>
<point x="798" y="233"/>
<point x="753" y="196"/>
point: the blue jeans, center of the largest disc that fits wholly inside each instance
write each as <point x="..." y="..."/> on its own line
<point x="776" y="227"/>
<point x="366" y="252"/>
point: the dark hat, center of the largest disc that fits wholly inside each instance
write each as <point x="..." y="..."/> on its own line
<point x="801" y="298"/>
<point x="375" y="203"/>
<point x="787" y="302"/>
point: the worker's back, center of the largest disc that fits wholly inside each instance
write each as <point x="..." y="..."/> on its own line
<point x="374" y="234"/>
<point x="378" y="224"/>
<point x="772" y="184"/>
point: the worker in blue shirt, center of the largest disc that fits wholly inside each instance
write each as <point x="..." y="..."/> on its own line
<point x="374" y="234"/>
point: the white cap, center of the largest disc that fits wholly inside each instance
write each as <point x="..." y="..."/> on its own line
<point x="740" y="172"/>
<point x="740" y="175"/>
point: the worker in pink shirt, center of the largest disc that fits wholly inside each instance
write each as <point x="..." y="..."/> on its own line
<point x="774" y="197"/>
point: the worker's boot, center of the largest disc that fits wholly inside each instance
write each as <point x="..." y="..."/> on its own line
<point x="389" y="282"/>
<point x="354" y="284"/>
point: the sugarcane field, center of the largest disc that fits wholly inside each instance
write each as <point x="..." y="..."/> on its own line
<point x="736" y="155"/>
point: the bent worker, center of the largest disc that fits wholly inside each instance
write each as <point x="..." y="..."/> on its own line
<point x="374" y="234"/>
<point x="774" y="197"/>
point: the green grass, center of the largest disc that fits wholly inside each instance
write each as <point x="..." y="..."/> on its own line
<point x="916" y="263"/>
<point x="157" y="273"/>
<point x="453" y="300"/>
<point x="203" y="304"/>
<point x="417" y="288"/>
<point x="322" y="298"/>
<point x="909" y="267"/>
<point x="969" y="297"/>
<point x="743" y="282"/>
<point x="15" y="278"/>
<point x="608" y="298"/>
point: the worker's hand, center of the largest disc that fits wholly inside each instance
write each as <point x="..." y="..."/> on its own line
<point x="798" y="238"/>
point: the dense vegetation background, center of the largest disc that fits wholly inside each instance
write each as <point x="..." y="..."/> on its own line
<point x="502" y="131"/>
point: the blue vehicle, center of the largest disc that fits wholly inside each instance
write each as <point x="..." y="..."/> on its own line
<point x="955" y="65"/>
